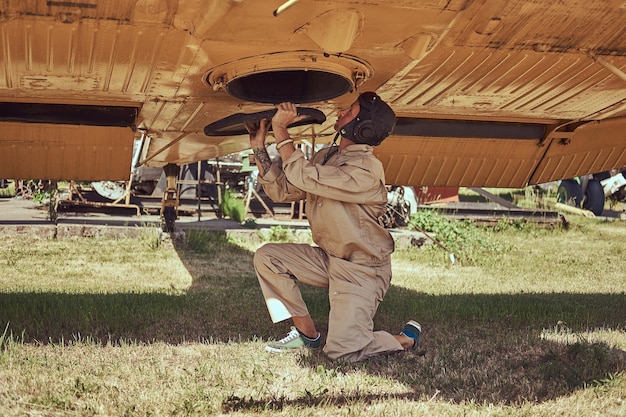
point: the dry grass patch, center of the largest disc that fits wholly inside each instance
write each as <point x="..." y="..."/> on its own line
<point x="142" y="327"/>
<point x="91" y="265"/>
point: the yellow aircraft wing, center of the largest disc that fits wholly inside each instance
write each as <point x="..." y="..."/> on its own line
<point x="499" y="93"/>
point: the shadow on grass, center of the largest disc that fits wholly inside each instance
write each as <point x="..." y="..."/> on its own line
<point x="497" y="348"/>
<point x="483" y="348"/>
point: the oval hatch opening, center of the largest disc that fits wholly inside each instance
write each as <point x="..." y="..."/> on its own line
<point x="297" y="86"/>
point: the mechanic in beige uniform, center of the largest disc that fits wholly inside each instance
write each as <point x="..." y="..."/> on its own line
<point x="345" y="193"/>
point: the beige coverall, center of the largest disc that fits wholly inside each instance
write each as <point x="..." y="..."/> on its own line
<point x="344" y="199"/>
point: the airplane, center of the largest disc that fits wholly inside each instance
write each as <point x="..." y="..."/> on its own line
<point x="488" y="93"/>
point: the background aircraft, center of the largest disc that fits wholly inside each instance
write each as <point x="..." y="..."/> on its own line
<point x="495" y="93"/>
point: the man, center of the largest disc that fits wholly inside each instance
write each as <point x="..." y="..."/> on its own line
<point x="345" y="193"/>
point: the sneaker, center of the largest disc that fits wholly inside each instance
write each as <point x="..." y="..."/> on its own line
<point x="293" y="340"/>
<point x="413" y="330"/>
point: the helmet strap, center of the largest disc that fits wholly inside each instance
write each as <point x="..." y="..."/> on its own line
<point x="332" y="151"/>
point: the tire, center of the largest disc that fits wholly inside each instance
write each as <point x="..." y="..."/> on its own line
<point x="594" y="197"/>
<point x="569" y="193"/>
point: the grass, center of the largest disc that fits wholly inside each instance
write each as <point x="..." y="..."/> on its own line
<point x="9" y="190"/>
<point x="528" y="322"/>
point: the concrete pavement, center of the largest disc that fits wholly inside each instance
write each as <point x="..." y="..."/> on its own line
<point x="19" y="215"/>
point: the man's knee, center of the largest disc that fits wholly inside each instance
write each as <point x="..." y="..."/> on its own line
<point x="262" y="254"/>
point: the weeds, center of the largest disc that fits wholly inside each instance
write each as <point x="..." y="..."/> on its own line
<point x="205" y="242"/>
<point x="281" y="234"/>
<point x="250" y="224"/>
<point x="612" y="380"/>
<point x="7" y="188"/>
<point x="467" y="241"/>
<point x="151" y="238"/>
<point x="278" y="234"/>
<point x="4" y="339"/>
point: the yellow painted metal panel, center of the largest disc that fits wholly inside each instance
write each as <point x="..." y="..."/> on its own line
<point x="594" y="147"/>
<point x="507" y="84"/>
<point x="65" y="152"/>
<point x="467" y="162"/>
<point x="545" y="62"/>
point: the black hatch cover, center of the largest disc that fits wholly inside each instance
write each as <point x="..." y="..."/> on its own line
<point x="233" y="125"/>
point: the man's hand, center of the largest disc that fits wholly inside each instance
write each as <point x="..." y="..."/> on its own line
<point x="258" y="133"/>
<point x="286" y="115"/>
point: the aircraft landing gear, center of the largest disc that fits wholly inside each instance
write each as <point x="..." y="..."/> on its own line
<point x="170" y="201"/>
<point x="593" y="200"/>
<point x="570" y="193"/>
<point x="588" y="194"/>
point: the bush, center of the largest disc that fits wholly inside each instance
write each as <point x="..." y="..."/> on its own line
<point x="467" y="241"/>
<point x="233" y="207"/>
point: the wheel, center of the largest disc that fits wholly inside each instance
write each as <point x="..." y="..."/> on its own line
<point x="113" y="190"/>
<point x="168" y="219"/>
<point x="569" y="193"/>
<point x="594" y="197"/>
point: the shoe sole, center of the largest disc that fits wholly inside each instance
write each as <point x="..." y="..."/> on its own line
<point x="277" y="350"/>
<point x="416" y="324"/>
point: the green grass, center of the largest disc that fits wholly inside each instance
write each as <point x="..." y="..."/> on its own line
<point x="9" y="190"/>
<point x="527" y="322"/>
